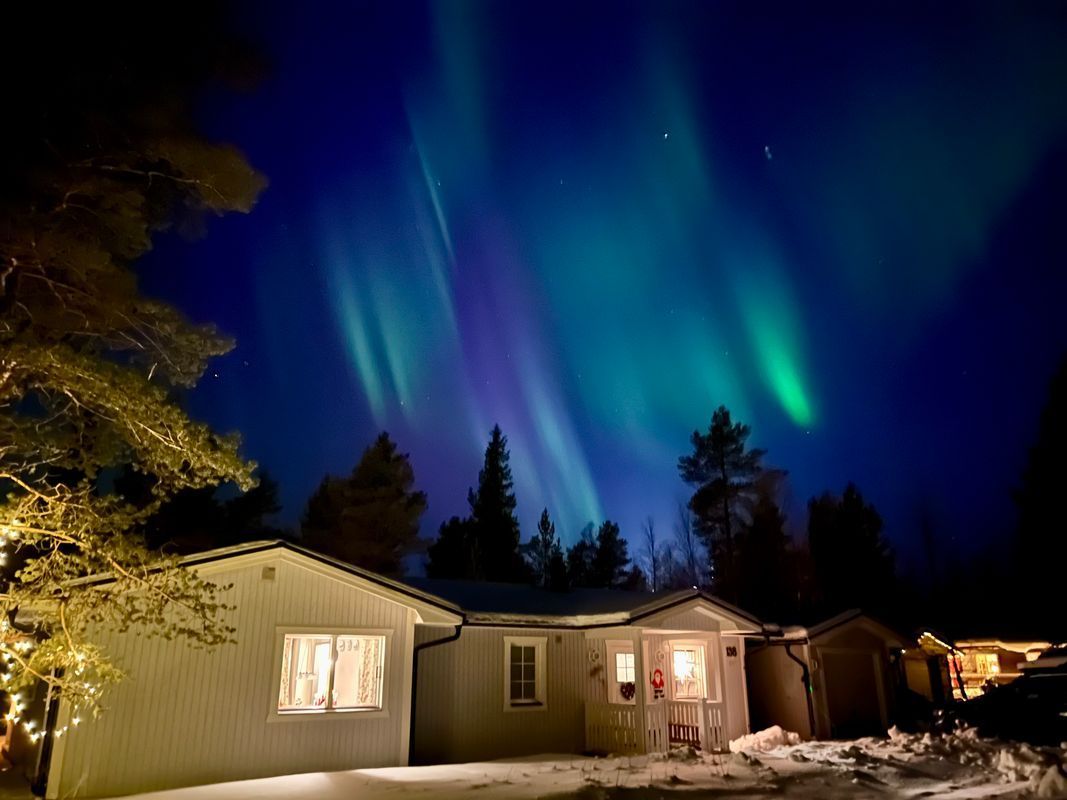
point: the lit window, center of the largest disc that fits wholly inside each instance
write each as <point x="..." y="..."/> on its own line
<point x="324" y="672"/>
<point x="688" y="672"/>
<point x="986" y="663"/>
<point x="624" y="667"/>
<point x="524" y="659"/>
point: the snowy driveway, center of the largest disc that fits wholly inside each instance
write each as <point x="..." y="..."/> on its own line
<point x="903" y="766"/>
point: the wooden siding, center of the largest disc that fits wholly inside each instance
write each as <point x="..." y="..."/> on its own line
<point x="460" y="712"/>
<point x="733" y="676"/>
<point x="185" y="716"/>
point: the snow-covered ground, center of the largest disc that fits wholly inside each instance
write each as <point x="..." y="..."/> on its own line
<point x="768" y="764"/>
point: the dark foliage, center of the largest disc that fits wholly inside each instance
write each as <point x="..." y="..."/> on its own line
<point x="1042" y="531"/>
<point x="488" y="548"/>
<point x="544" y="554"/>
<point x="851" y="564"/>
<point x="724" y="473"/>
<point x="370" y="518"/>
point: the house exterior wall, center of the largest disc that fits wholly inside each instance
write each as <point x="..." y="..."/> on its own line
<point x="776" y="693"/>
<point x="460" y="714"/>
<point x="853" y="686"/>
<point x="732" y="657"/>
<point x="185" y="716"/>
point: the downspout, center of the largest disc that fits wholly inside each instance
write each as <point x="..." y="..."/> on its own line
<point x="805" y="678"/>
<point x="415" y="676"/>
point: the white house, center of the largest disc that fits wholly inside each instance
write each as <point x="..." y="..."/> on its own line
<point x="586" y="670"/>
<point x="319" y="679"/>
<point x="322" y="673"/>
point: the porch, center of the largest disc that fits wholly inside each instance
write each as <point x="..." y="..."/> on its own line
<point x="616" y="728"/>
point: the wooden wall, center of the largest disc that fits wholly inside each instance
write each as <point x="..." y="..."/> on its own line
<point x="184" y="716"/>
<point x="460" y="712"/>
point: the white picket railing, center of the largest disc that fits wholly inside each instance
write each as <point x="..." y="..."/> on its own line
<point x="613" y="728"/>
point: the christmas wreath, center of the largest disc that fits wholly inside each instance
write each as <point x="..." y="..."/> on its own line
<point x="628" y="690"/>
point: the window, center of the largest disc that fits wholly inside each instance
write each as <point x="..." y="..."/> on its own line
<point x="624" y="667"/>
<point x="331" y="672"/>
<point x="986" y="663"/>
<point x="621" y="672"/>
<point x="688" y="671"/>
<point x="524" y="672"/>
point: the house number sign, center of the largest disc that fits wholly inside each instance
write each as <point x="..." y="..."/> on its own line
<point x="731" y="651"/>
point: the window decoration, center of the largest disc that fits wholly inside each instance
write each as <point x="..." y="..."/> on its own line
<point x="331" y="672"/>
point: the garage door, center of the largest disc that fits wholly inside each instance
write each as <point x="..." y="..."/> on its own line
<point x="852" y="694"/>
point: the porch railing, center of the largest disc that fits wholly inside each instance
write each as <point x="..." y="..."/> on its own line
<point x="612" y="728"/>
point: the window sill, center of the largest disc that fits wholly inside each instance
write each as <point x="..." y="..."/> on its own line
<point x="525" y="707"/>
<point x="348" y="715"/>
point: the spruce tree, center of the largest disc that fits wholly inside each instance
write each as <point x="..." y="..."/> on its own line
<point x="453" y="553"/>
<point x="580" y="558"/>
<point x="484" y="546"/>
<point x="852" y="565"/>
<point x="612" y="561"/>
<point x="370" y="518"/>
<point x="544" y="554"/>
<point x="495" y="526"/>
<point x="767" y="585"/>
<point x="723" y="472"/>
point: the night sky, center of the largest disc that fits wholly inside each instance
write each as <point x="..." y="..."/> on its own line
<point x="594" y="225"/>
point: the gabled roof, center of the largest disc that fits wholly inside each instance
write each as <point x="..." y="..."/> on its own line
<point x="854" y="615"/>
<point x="489" y="603"/>
<point x="486" y="603"/>
<point x="436" y="609"/>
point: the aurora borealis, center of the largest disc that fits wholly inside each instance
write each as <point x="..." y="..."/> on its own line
<point x="593" y="225"/>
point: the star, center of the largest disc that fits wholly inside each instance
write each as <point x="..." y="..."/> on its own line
<point x="767" y="152"/>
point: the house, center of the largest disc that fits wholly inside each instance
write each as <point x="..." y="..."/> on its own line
<point x="532" y="670"/>
<point x="327" y="658"/>
<point x="992" y="661"/>
<point x="931" y="668"/>
<point x="834" y="680"/>
<point x="319" y="679"/>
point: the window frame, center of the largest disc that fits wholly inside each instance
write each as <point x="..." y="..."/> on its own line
<point x="306" y="715"/>
<point x="540" y="701"/>
<point x="701" y="649"/>
<point x="614" y="648"/>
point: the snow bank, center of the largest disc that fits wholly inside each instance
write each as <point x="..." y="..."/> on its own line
<point x="764" y="741"/>
<point x="1041" y="767"/>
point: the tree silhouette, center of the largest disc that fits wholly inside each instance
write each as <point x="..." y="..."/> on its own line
<point x="454" y="553"/>
<point x="724" y="473"/>
<point x="1041" y="540"/>
<point x="852" y="565"/>
<point x="545" y="555"/>
<point x="767" y="580"/>
<point x="580" y="558"/>
<point x="484" y="546"/>
<point x="371" y="517"/>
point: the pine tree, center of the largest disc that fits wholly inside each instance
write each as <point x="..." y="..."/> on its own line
<point x="104" y="156"/>
<point x="852" y="565"/>
<point x="370" y="518"/>
<point x="453" y="553"/>
<point x="580" y="558"/>
<point x="194" y="520"/>
<point x="767" y="586"/>
<point x="611" y="563"/>
<point x="484" y="546"/>
<point x="496" y="528"/>
<point x="724" y="473"/>
<point x="544" y="554"/>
